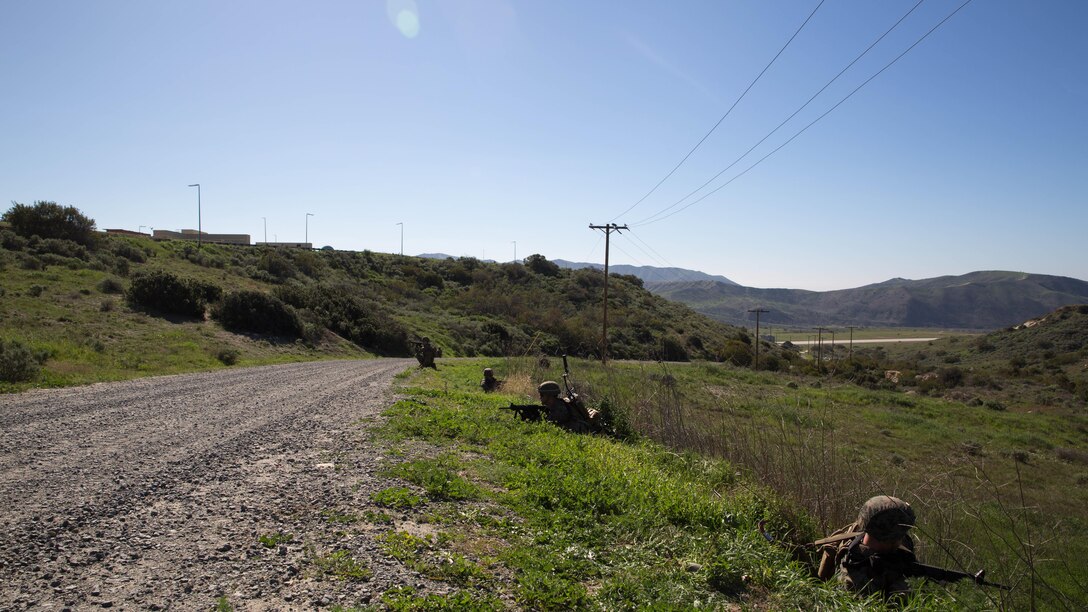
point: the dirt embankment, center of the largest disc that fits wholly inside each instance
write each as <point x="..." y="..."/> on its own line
<point x="155" y="493"/>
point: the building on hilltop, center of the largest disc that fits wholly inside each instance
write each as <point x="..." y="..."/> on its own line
<point x="191" y="234"/>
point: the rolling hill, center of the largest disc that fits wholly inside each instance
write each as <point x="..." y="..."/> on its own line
<point x="978" y="301"/>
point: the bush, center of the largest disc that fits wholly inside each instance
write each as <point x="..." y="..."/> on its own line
<point x="131" y="252"/>
<point x="228" y="356"/>
<point x="64" y="248"/>
<point x="50" y="220"/>
<point x="111" y="285"/>
<point x="166" y="292"/>
<point x="540" y="265"/>
<point x="35" y="290"/>
<point x="18" y="363"/>
<point x="254" y="311"/>
<point x="12" y="241"/>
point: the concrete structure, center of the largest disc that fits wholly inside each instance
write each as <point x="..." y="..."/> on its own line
<point x="191" y="234"/>
<point x="292" y="245"/>
<point x="125" y="232"/>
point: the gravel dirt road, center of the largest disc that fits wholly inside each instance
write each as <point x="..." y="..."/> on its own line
<point x="155" y="493"/>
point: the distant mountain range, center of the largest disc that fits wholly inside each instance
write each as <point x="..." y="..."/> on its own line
<point x="649" y="274"/>
<point x="978" y="300"/>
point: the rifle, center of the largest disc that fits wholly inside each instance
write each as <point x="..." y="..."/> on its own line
<point x="526" y="412"/>
<point x="947" y="575"/>
<point x="900" y="562"/>
<point x="571" y="392"/>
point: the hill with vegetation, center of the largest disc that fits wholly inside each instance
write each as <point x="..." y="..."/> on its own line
<point x="975" y="301"/>
<point x="94" y="306"/>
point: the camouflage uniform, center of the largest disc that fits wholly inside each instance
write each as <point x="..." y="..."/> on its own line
<point x="561" y="412"/>
<point x="846" y="557"/>
<point x="490" y="383"/>
<point x="425" y="353"/>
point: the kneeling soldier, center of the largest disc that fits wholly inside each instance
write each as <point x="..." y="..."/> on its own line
<point x="870" y="555"/>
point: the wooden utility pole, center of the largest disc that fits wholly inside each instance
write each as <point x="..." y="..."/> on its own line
<point x="820" y="349"/>
<point x="608" y="229"/>
<point x="755" y="366"/>
<point x="850" y="353"/>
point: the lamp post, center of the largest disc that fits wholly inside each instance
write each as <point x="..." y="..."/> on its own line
<point x="265" y="229"/>
<point x="199" y="231"/>
<point x="515" y="250"/>
<point x="308" y="215"/>
<point x="401" y="224"/>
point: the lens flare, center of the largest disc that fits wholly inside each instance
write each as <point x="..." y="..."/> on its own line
<point x="404" y="15"/>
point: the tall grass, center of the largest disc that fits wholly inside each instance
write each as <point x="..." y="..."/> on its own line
<point x="811" y="449"/>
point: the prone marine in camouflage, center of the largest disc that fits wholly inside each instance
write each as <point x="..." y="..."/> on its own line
<point x="870" y="555"/>
<point x="560" y="410"/>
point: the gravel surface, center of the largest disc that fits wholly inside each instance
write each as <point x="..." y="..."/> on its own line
<point x="153" y="494"/>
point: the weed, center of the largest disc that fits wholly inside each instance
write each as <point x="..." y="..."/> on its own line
<point x="397" y="498"/>
<point x="438" y="479"/>
<point x="223" y="605"/>
<point x="405" y="599"/>
<point x="272" y="540"/>
<point x="340" y="564"/>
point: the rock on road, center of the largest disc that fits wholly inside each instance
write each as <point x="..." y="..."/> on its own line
<point x="154" y="493"/>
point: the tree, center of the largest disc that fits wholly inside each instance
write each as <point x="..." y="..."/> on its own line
<point x="51" y="220"/>
<point x="540" y="265"/>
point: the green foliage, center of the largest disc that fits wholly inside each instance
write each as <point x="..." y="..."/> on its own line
<point x="540" y="265"/>
<point x="351" y="315"/>
<point x="166" y="292"/>
<point x="50" y="220"/>
<point x="272" y="540"/>
<point x="341" y="564"/>
<point x="397" y="498"/>
<point x="228" y="356"/>
<point x="258" y="312"/>
<point x="111" y="285"/>
<point x="438" y="479"/>
<point x="405" y="599"/>
<point x="19" y="362"/>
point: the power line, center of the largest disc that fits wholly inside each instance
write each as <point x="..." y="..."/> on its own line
<point x="652" y="218"/>
<point x="788" y="119"/>
<point x="707" y="135"/>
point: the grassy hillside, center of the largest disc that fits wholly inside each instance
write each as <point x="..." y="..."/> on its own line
<point x="514" y="514"/>
<point x="978" y="301"/>
<point x="75" y="302"/>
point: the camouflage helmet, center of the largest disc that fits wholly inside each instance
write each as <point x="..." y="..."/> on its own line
<point x="548" y="387"/>
<point x="886" y="518"/>
<point x="488" y="371"/>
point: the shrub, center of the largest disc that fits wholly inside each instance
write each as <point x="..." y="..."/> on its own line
<point x="64" y="248"/>
<point x="50" y="220"/>
<point x="18" y="363"/>
<point x="131" y="252"/>
<point x="111" y="285"/>
<point x="277" y="265"/>
<point x="166" y="292"/>
<point x="35" y="290"/>
<point x="228" y="356"/>
<point x="12" y="241"/>
<point x="254" y="311"/>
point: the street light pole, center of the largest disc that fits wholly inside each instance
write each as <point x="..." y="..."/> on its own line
<point x="401" y="224"/>
<point x="308" y="215"/>
<point x="199" y="230"/>
<point x="515" y="250"/>
<point x="265" y="219"/>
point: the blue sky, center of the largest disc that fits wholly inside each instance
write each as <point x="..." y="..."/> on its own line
<point x="479" y="124"/>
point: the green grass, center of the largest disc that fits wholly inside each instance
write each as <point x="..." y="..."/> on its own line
<point x="803" y="457"/>
<point x="556" y="521"/>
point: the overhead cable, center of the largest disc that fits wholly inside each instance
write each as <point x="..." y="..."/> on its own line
<point x="657" y="217"/>
<point x="787" y="119"/>
<point x="741" y="97"/>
